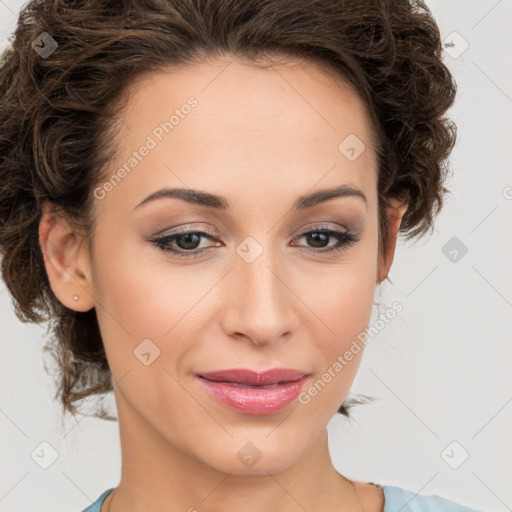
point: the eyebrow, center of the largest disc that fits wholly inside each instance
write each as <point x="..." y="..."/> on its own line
<point x="221" y="203"/>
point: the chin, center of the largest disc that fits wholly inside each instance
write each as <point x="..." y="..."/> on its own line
<point x="257" y="454"/>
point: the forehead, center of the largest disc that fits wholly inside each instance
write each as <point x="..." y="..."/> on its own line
<point x="262" y="126"/>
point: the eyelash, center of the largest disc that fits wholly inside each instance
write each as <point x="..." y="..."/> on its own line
<point x="345" y="240"/>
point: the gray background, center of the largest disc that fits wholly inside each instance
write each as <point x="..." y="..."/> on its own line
<point x="441" y="369"/>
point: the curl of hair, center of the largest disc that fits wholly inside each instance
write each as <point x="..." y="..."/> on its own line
<point x="58" y="118"/>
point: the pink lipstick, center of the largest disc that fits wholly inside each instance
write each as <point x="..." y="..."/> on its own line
<point x="253" y="392"/>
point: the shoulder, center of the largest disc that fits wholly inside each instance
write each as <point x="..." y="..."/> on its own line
<point x="399" y="499"/>
<point x="389" y="498"/>
<point x="374" y="497"/>
<point x="96" y="506"/>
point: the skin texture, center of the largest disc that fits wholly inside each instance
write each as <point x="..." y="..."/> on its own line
<point x="261" y="138"/>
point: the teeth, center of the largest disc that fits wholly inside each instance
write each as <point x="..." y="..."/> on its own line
<point x="240" y="385"/>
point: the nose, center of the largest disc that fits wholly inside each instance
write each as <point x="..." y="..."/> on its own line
<point x="258" y="304"/>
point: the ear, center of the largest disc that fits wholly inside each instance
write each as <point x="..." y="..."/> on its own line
<point x="66" y="260"/>
<point x="394" y="218"/>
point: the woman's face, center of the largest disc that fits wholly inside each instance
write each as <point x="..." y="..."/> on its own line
<point x="264" y="289"/>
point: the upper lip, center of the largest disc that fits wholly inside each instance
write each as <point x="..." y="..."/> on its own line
<point x="254" y="378"/>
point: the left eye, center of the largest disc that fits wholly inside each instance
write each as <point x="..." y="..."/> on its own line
<point x="187" y="242"/>
<point x="319" y="238"/>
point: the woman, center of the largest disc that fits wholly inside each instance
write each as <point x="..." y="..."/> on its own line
<point x="203" y="196"/>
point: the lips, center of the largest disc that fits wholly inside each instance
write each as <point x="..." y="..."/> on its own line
<point x="252" y="378"/>
<point x="253" y="392"/>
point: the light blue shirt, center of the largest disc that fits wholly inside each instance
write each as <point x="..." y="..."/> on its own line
<point x="396" y="499"/>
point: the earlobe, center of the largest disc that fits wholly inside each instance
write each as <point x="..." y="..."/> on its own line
<point x="66" y="261"/>
<point x="394" y="218"/>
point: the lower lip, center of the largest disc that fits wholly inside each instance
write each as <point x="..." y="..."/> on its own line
<point x="254" y="399"/>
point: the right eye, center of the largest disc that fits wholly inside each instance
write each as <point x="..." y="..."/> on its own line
<point x="187" y="242"/>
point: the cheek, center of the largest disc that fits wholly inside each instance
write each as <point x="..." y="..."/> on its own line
<point x="139" y="300"/>
<point x="344" y="302"/>
<point x="338" y="356"/>
<point x="139" y="293"/>
<point x="345" y="294"/>
<point x="145" y="318"/>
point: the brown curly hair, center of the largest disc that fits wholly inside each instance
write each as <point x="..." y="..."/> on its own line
<point x="58" y="117"/>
